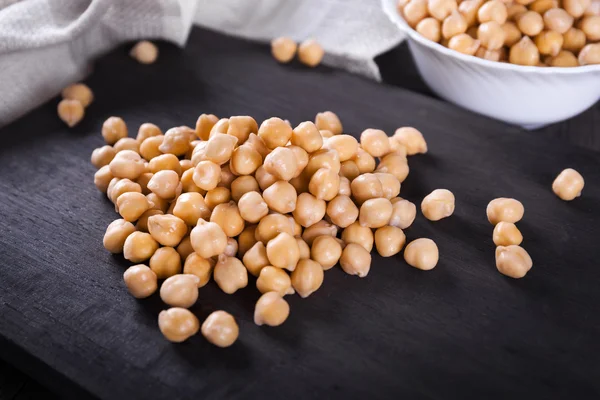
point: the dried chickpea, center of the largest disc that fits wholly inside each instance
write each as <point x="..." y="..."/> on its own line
<point x="245" y="160"/>
<point x="361" y="235"/>
<point x="364" y="161"/>
<point x="345" y="189"/>
<point x="144" y="52"/>
<point x="558" y="20"/>
<point x="504" y="209"/>
<point x="122" y="186"/>
<point x="272" y="279"/>
<point x="127" y="164"/>
<point x="329" y="121"/>
<point x="255" y="259"/>
<point x="549" y="42"/>
<point x="132" y="205"/>
<point x="283" y="251"/>
<point x="159" y="203"/>
<point x="140" y="281"/>
<point x="573" y="40"/>
<point x="319" y="229"/>
<point x="493" y="10"/>
<point x="414" y="11"/>
<point x="143" y="181"/>
<point x="342" y="211"/>
<point x="116" y="234"/>
<point x="307" y="278"/>
<point x="275" y="132"/>
<point x="541" y="6"/>
<point x="198" y="266"/>
<point x="375" y="213"/>
<point x="70" y="112"/>
<point x="422" y="254"/>
<point x="563" y="59"/>
<point x="506" y="234"/>
<point x="271" y="309"/>
<point x="310" y="53"/>
<point x="430" y="28"/>
<point x="102" y="178"/>
<point x="454" y="24"/>
<point x="301" y="159"/>
<point x="149" y="147"/>
<point x="252" y="207"/>
<point x="147" y="130"/>
<point x="190" y="207"/>
<point x="306" y="135"/>
<point x="281" y="197"/>
<point x="80" y="92"/>
<point x="513" y="261"/>
<point x="208" y="239"/>
<point x="264" y="178"/>
<point x="165" y="184"/>
<point x="568" y="185"/>
<point x="412" y="140"/>
<point x="512" y="34"/>
<point x="366" y="186"/>
<point x="102" y="156"/>
<point x="271" y="225"/>
<point x="304" y="249"/>
<point x="242" y="185"/>
<point x="464" y="43"/>
<point x="230" y="274"/>
<point x="403" y="214"/>
<point x="326" y="251"/>
<point x="113" y="129"/>
<point x="491" y="35"/>
<point x="438" y="204"/>
<point x="389" y="240"/>
<point x="220" y="329"/>
<point x="218" y="195"/>
<point x="590" y="25"/>
<point x="468" y="9"/>
<point x="530" y="23"/>
<point x="524" y="52"/>
<point x="139" y="246"/>
<point x="355" y="260"/>
<point x="180" y="290"/>
<point x="590" y="54"/>
<point x="127" y="144"/>
<point x="184" y="249"/>
<point x="207" y="175"/>
<point x="375" y="142"/>
<point x="324" y="184"/>
<point x="178" y="324"/>
<point x="281" y="163"/>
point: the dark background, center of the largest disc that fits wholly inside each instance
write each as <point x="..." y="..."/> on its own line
<point x="397" y="69"/>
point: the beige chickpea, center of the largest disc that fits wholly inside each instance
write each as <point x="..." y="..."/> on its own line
<point x="364" y="161"/>
<point x="184" y="248"/>
<point x="140" y="281"/>
<point x="180" y="290"/>
<point x="255" y="258"/>
<point x="590" y="25"/>
<point x="252" y="207"/>
<point x="245" y="160"/>
<point x="132" y="205"/>
<point x="491" y="35"/>
<point x="283" y="251"/>
<point x="127" y="144"/>
<point x="563" y="59"/>
<point x="412" y="140"/>
<point x="309" y="210"/>
<point x="122" y="186"/>
<point x="272" y="279"/>
<point x="199" y="267"/>
<point x="464" y="43"/>
<point x="218" y="195"/>
<point x="504" y="209"/>
<point x="275" y="132"/>
<point x="326" y="250"/>
<point x="355" y="260"/>
<point x="438" y="204"/>
<point x="271" y="309"/>
<point x="165" y="262"/>
<point x="102" y="178"/>
<point x="149" y="147"/>
<point x="441" y="9"/>
<point x="342" y="211"/>
<point x="414" y="11"/>
<point x="307" y="278"/>
<point x="242" y="185"/>
<point x="142" y="223"/>
<point x="310" y="53"/>
<point x="590" y="54"/>
<point x="143" y="181"/>
<point x="296" y="227"/>
<point x="512" y="34"/>
<point x="147" y="130"/>
<point x="167" y="229"/>
<point x="219" y="148"/>
<point x="549" y="42"/>
<point x="165" y="162"/>
<point x="220" y="329"/>
<point x="493" y="10"/>
<point x="178" y="324"/>
<point x="283" y="49"/>
<point x="375" y="142"/>
<point x="190" y="207"/>
<point x="454" y="24"/>
<point x="127" y="164"/>
<point x="375" y="213"/>
<point x="576" y="8"/>
<point x="319" y="229"/>
<point x="222" y="126"/>
<point x="207" y="175"/>
<point x="271" y="225"/>
<point x="281" y="163"/>
<point x="430" y="28"/>
<point x="593" y="8"/>
<point x="422" y="254"/>
<point x="208" y="239"/>
<point x="280" y="197"/>
<point x="116" y="234"/>
<point x="306" y="135"/>
<point x="301" y="158"/>
<point x="513" y="261"/>
<point x="389" y="183"/>
<point x="323" y="158"/>
<point x="102" y="156"/>
<point x="345" y="145"/>
<point x="468" y="9"/>
<point x="113" y="129"/>
<point x="228" y="217"/>
<point x="230" y="274"/>
<point x="506" y="234"/>
<point x="264" y="178"/>
<point x="514" y="11"/>
<point x="329" y="121"/>
<point x="492" y="55"/>
<point x="366" y="186"/>
<point x="144" y="52"/>
<point x="345" y="189"/>
<point x="389" y="240"/>
<point x="558" y="20"/>
<point x="165" y="184"/>
<point x="246" y="239"/>
<point x="403" y="214"/>
<point x="568" y="185"/>
<point x="241" y="126"/>
<point x="304" y="249"/>
<point x="541" y="6"/>
<point x="361" y="235"/>
<point x="159" y="203"/>
<point x="324" y="184"/>
<point x="574" y="40"/>
<point x="524" y="52"/>
<point x="204" y="124"/>
<point x="139" y="246"/>
<point x="80" y="92"/>
<point x="177" y="140"/>
<point x="530" y="23"/>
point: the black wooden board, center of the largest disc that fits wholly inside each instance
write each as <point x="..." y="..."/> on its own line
<point x="461" y="330"/>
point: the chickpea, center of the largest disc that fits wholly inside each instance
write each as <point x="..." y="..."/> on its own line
<point x="304" y="249"/>
<point x="345" y="189"/>
<point x="246" y="239"/>
<point x="283" y="251"/>
<point x="220" y="329"/>
<point x="491" y="35"/>
<point x="208" y="239"/>
<point x="271" y="309"/>
<point x="218" y="195"/>
<point x="430" y="28"/>
<point x="506" y="234"/>
<point x="558" y="20"/>
<point x="326" y="251"/>
<point x="281" y="197"/>
<point x="159" y="203"/>
<point x="140" y="281"/>
<point x="307" y="136"/>
<point x="324" y="184"/>
<point x="120" y="187"/>
<point x="165" y="162"/>
<point x="178" y="324"/>
<point x="530" y="23"/>
<point x="144" y="52"/>
<point x="422" y="254"/>
<point x="310" y="53"/>
<point x="113" y="129"/>
<point x="468" y="9"/>
<point x="199" y="267"/>
<point x="464" y="43"/>
<point x="375" y="142"/>
<point x="271" y="225"/>
<point x="568" y="185"/>
<point x="319" y="229"/>
<point x="438" y="204"/>
<point x="264" y="178"/>
<point x="415" y="11"/>
<point x="345" y="145"/>
<point x="493" y="10"/>
<point x="590" y="25"/>
<point x="272" y="279"/>
<point x="593" y="8"/>
<point x="549" y="42"/>
<point x="309" y="210"/>
<point x="143" y="181"/>
<point x="324" y="158"/>
<point x="492" y="55"/>
<point x="366" y="186"/>
<point x="590" y="54"/>
<point x="441" y="9"/>
<point x="307" y="278"/>
<point x="230" y="274"/>
<point x="325" y="134"/>
<point x="275" y="132"/>
<point x="403" y="214"/>
<point x="165" y="262"/>
<point x="165" y="184"/>
<point x="132" y="205"/>
<point x="245" y="160"/>
<point x="79" y="92"/>
<point x="342" y="211"/>
<point x="504" y="209"/>
<point x="575" y="8"/>
<point x="524" y="52"/>
<point x="241" y="127"/>
<point x="514" y="11"/>
<point x="147" y="130"/>
<point x="102" y="156"/>
<point x="281" y="163"/>
<point x="116" y="234"/>
<point x="149" y="147"/>
<point x="184" y="249"/>
<point x="204" y="124"/>
<point x="564" y="59"/>
<point x="222" y="126"/>
<point x="513" y="261"/>
<point x="190" y="207"/>
<point x="283" y="49"/>
<point x="127" y="144"/>
<point x="207" y="175"/>
<point x="541" y="6"/>
<point x="167" y="230"/>
<point x="389" y="240"/>
<point x="177" y="140"/>
<point x="242" y="185"/>
<point x="358" y="234"/>
<point x="252" y="207"/>
<point x="180" y="290"/>
<point x="219" y="148"/>
<point x="573" y="40"/>
<point x="375" y="213"/>
<point x="139" y="246"/>
<point x="255" y="259"/>
<point x="412" y="139"/>
<point x="454" y="24"/>
<point x="228" y="217"/>
<point x="127" y="164"/>
<point x="512" y="34"/>
<point x="102" y="178"/>
<point x="329" y="121"/>
<point x="400" y="5"/>
<point x="355" y="260"/>
<point x="389" y="184"/>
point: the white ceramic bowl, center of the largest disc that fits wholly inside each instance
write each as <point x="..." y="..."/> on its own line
<point x="527" y="96"/>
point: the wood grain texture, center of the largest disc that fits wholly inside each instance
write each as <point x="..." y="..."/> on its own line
<point x="459" y="331"/>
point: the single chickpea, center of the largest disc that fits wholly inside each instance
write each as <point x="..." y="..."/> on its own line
<point x="358" y="234"/>
<point x="375" y="213"/>
<point x="468" y="9"/>
<point x="441" y="9"/>
<point x="219" y="148"/>
<point x="513" y="261"/>
<point x="345" y="145"/>
<point x="281" y="163"/>
<point x="541" y="6"/>
<point x="310" y="53"/>
<point x="204" y="124"/>
<point x="506" y="234"/>
<point x="564" y="59"/>
<point x="307" y="136"/>
<point x="70" y="112"/>
<point x="190" y="207"/>
<point x="430" y="28"/>
<point x="264" y="178"/>
<point x="422" y="254"/>
<point x="116" y="234"/>
<point x="246" y="239"/>
<point x="389" y="183"/>
<point x="144" y="52"/>
<point x="80" y="92"/>
<point x="199" y="267"/>
<point x="275" y="132"/>
<point x="504" y="209"/>
<point x="165" y="162"/>
<point x="590" y="54"/>
<point x="159" y="203"/>
<point x="438" y="204"/>
<point x="140" y="281"/>
<point x="242" y="185"/>
<point x="549" y="42"/>
<point x="165" y="184"/>
<point x="207" y="175"/>
<point x="558" y="20"/>
<point x="375" y="142"/>
<point x="122" y="186"/>
<point x="139" y="246"/>
<point x="102" y="156"/>
<point x="491" y="35"/>
<point x="366" y="186"/>
<point x="304" y="249"/>
<point x="326" y="251"/>
<point x="283" y="251"/>
<point x="301" y="159"/>
<point x="329" y="121"/>
<point x="530" y="23"/>
<point x="127" y="144"/>
<point x="127" y="164"/>
<point x="355" y="260"/>
<point x="113" y="129"/>
<point x="241" y="126"/>
<point x="167" y="229"/>
<point x="323" y="158"/>
<point x="324" y="184"/>
<point x="593" y="8"/>
<point x="218" y="195"/>
<point x="208" y="239"/>
<point x="389" y="240"/>
<point x="149" y="147"/>
<point x="252" y="207"/>
<point x="342" y="211"/>
<point x="454" y="24"/>
<point x="464" y="43"/>
<point x="271" y="309"/>
<point x="255" y="258"/>
<point x="364" y="161"/>
<point x="184" y="249"/>
<point x="180" y="290"/>
<point x="524" y="52"/>
<point x="132" y="205"/>
<point x="230" y="274"/>
<point x="271" y="225"/>
<point x="514" y="11"/>
<point x="178" y="324"/>
<point x="574" y="40"/>
<point x="147" y="130"/>
<point x="281" y="197"/>
<point x="272" y="279"/>
<point x="590" y="25"/>
<point x="568" y="185"/>
<point x="222" y="126"/>
<point x="227" y="216"/>
<point x="403" y="214"/>
<point x="319" y="229"/>
<point x="576" y="8"/>
<point x="345" y="189"/>
<point x="412" y="139"/>
<point x="414" y="11"/>
<point x="493" y="10"/>
<point x="245" y="160"/>
<point x="512" y="34"/>
<point x="307" y="278"/>
<point x="309" y="210"/>
<point x="220" y="329"/>
<point x="102" y="178"/>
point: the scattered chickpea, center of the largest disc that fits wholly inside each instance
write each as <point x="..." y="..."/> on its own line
<point x="320" y="228"/>
<point x="230" y="274"/>
<point x="165" y="184"/>
<point x="149" y="147"/>
<point x="283" y="251"/>
<point x="144" y="52"/>
<point x="252" y="207"/>
<point x="438" y="204"/>
<point x="389" y="240"/>
<point x="358" y="234"/>
<point x="375" y="213"/>
<point x="281" y="197"/>
<point x="307" y="278"/>
<point x="140" y="281"/>
<point x="389" y="184"/>
<point x="309" y="210"/>
<point x="132" y="205"/>
<point x="326" y="251"/>
<point x="220" y="329"/>
<point x="180" y="290"/>
<point x="568" y="185"/>
<point x="345" y="189"/>
<point x="375" y="142"/>
<point x="178" y="324"/>
<point x="70" y="112"/>
<point x="190" y="207"/>
<point x="310" y="53"/>
<point x="227" y="216"/>
<point x="281" y="163"/>
<point x="342" y="211"/>
<point x="506" y="234"/>
<point x="422" y="254"/>
<point x="116" y="234"/>
<point x="102" y="178"/>
<point x="127" y="144"/>
<point x="198" y="266"/>
<point x="329" y="121"/>
<point x="102" y="156"/>
<point x="255" y="258"/>
<point x="121" y="186"/>
<point x="324" y="184"/>
<point x="147" y="130"/>
<point x="366" y="186"/>
<point x="271" y="309"/>
<point x="504" y="209"/>
<point x="127" y="164"/>
<point x="306" y="135"/>
<point x="271" y="225"/>
<point x="272" y="279"/>
<point x="303" y="248"/>
<point x="513" y="261"/>
<point x="245" y="160"/>
<point x="208" y="239"/>
<point x="403" y="214"/>
<point x="275" y="132"/>
<point x="113" y="129"/>
<point x="355" y="260"/>
<point x="218" y="195"/>
<point x="139" y="246"/>
<point x="412" y="139"/>
<point x="159" y="203"/>
<point x="80" y="92"/>
<point x="167" y="229"/>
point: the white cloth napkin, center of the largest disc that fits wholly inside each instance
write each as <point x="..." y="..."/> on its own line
<point x="47" y="44"/>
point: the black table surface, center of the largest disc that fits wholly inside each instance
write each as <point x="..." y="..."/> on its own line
<point x="459" y="331"/>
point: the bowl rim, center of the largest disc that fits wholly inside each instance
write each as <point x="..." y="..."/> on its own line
<point x="390" y="9"/>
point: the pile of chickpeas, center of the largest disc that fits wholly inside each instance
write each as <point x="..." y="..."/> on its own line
<point x="525" y="32"/>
